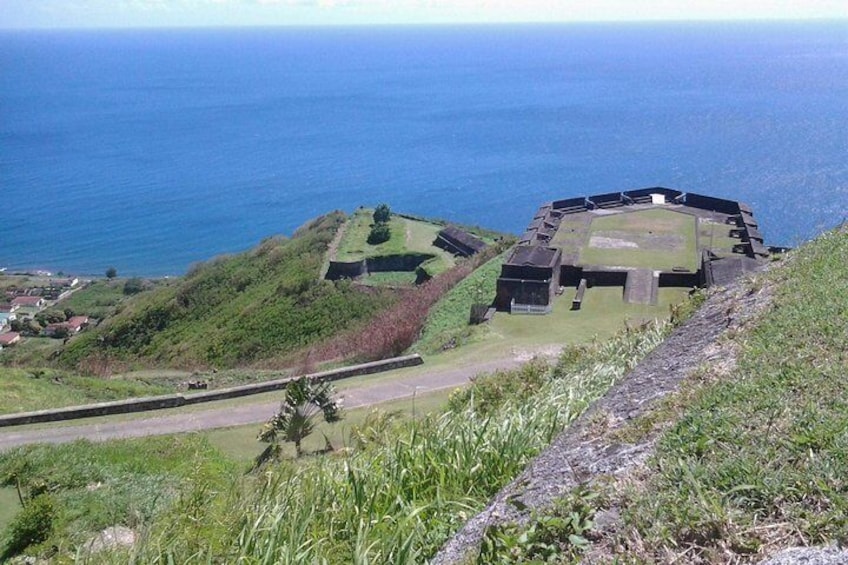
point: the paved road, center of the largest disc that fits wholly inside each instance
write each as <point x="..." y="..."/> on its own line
<point x="248" y="413"/>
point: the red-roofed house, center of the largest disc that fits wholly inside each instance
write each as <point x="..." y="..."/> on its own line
<point x="28" y="301"/>
<point x="76" y="323"/>
<point x="63" y="329"/>
<point x="9" y="338"/>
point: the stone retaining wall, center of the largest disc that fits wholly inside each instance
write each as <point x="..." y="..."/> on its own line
<point x="176" y="400"/>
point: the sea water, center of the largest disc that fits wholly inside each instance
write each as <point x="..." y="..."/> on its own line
<point x="148" y="150"/>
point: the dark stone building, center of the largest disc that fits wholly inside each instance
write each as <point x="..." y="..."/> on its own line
<point x="459" y="242"/>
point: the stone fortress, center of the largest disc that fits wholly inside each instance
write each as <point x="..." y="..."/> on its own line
<point x="640" y="240"/>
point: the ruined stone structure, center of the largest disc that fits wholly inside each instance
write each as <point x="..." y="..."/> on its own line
<point x="459" y="242"/>
<point x="547" y="261"/>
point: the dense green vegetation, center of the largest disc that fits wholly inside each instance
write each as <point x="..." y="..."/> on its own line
<point x="447" y="322"/>
<point x="73" y="491"/>
<point x="100" y="299"/>
<point x="233" y="310"/>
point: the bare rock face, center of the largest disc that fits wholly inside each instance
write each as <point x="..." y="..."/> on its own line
<point x="830" y="555"/>
<point x="112" y="537"/>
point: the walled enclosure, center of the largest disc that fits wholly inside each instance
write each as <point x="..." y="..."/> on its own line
<point x="562" y="228"/>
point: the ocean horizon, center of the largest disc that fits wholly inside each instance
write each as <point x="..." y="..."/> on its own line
<point x="149" y="150"/>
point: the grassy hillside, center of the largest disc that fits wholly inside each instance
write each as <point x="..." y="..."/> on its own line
<point x="752" y="453"/>
<point x="233" y="310"/>
<point x="395" y="495"/>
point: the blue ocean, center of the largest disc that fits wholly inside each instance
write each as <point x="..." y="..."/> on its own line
<point x="150" y="150"/>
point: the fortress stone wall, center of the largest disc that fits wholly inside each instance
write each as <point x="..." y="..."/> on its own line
<point x="528" y="279"/>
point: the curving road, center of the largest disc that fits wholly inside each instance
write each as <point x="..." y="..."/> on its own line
<point x="248" y="413"/>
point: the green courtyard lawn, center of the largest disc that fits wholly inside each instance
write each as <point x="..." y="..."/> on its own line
<point x="651" y="239"/>
<point x="602" y="314"/>
<point x="407" y="236"/>
<point x="354" y="245"/>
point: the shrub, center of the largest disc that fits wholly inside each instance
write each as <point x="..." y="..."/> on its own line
<point x="133" y="286"/>
<point x="382" y="214"/>
<point x="31" y="526"/>
<point x="380" y="233"/>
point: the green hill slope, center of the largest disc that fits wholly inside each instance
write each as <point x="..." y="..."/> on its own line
<point x="235" y="310"/>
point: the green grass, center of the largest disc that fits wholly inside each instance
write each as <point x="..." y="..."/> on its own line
<point x="759" y="460"/>
<point x="448" y="321"/>
<point x="603" y="313"/>
<point x="30" y="351"/>
<point x="354" y="244"/>
<point x="571" y="233"/>
<point x="9" y="506"/>
<point x="641" y="228"/>
<point x="24" y="390"/>
<point x="398" y="496"/>
<point x="407" y="236"/>
<point x="429" y="472"/>
<point x="716" y="237"/>
<point x="127" y="483"/>
<point x="390" y="278"/>
<point x="100" y="299"/>
<point x="232" y="311"/>
<point x="240" y="442"/>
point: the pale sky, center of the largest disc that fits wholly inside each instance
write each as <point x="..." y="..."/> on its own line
<point x="195" y="13"/>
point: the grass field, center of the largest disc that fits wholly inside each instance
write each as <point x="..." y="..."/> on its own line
<point x="447" y="321"/>
<point x="240" y="442"/>
<point x="716" y="237"/>
<point x="655" y="239"/>
<point x="603" y="314"/>
<point x="9" y="506"/>
<point x="390" y="278"/>
<point x="97" y="300"/>
<point x="23" y="390"/>
<point x="407" y="236"/>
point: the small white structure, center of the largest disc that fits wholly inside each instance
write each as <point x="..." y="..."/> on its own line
<point x="658" y="199"/>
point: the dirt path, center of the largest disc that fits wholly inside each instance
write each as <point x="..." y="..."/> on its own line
<point x="250" y="413"/>
<point x="333" y="248"/>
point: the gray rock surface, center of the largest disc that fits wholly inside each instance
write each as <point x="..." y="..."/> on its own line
<point x="830" y="555"/>
<point x="112" y="537"/>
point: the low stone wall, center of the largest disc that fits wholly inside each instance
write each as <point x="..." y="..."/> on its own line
<point x="401" y="262"/>
<point x="385" y="263"/>
<point x="177" y="400"/>
<point x="346" y="270"/>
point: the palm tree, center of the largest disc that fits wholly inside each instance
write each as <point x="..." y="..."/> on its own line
<point x="306" y="399"/>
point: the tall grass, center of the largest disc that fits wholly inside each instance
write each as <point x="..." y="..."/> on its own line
<point x="399" y="500"/>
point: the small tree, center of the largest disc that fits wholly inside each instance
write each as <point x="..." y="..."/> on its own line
<point x="111" y="273"/>
<point x="382" y="214"/>
<point x="305" y="402"/>
<point x="133" y="286"/>
<point x="380" y="233"/>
